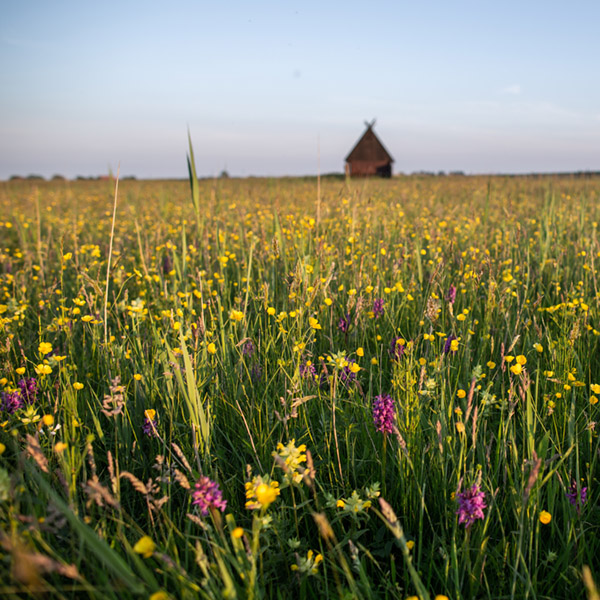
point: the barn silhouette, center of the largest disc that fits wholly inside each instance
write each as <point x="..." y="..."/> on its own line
<point x="369" y="156"/>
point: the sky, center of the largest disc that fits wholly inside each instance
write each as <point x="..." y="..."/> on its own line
<point x="284" y="88"/>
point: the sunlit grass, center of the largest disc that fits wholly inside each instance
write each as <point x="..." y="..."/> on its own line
<point x="241" y="346"/>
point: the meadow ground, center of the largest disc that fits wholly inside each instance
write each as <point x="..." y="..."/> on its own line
<point x="390" y="391"/>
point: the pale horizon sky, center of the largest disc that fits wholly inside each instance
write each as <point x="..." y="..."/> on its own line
<point x="265" y="87"/>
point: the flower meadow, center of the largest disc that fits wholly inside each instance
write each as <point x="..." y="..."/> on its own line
<point x="282" y="389"/>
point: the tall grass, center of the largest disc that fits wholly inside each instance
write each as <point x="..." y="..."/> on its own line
<point x="247" y="334"/>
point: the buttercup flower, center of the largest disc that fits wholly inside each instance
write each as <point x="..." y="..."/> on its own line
<point x="145" y="546"/>
<point x="45" y="348"/>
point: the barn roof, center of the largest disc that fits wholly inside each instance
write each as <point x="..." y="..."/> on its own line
<point x="369" y="148"/>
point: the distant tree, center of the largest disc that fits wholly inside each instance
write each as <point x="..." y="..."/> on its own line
<point x="224" y="174"/>
<point x="34" y="177"/>
<point x="58" y="178"/>
<point x="16" y="178"/>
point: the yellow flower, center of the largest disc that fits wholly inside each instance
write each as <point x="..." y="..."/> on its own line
<point x="509" y="358"/>
<point x="360" y="352"/>
<point x="441" y="597"/>
<point x="43" y="369"/>
<point x="48" y="420"/>
<point x="236" y="315"/>
<point x="410" y="544"/>
<point x="87" y="318"/>
<point x="314" y="323"/>
<point x="20" y="370"/>
<point x="266" y="494"/>
<point x="60" y="447"/>
<point x="521" y="360"/>
<point x="137" y="377"/>
<point x="539" y="348"/>
<point x="461" y="393"/>
<point x="516" y="369"/>
<point x="45" y="348"/>
<point x="2" y="448"/>
<point x="150" y="413"/>
<point x="593" y="400"/>
<point x="78" y="386"/>
<point x="237" y="533"/>
<point x="211" y="348"/>
<point x="595" y="388"/>
<point x="460" y="427"/>
<point x="340" y="504"/>
<point x="328" y="301"/>
<point x="545" y="517"/>
<point x="270" y="311"/>
<point x="160" y="595"/>
<point x="145" y="546"/>
<point x="491" y="364"/>
<point x="260" y="492"/>
<point x="454" y="345"/>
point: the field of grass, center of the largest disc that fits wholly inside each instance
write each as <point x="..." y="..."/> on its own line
<point x="382" y="389"/>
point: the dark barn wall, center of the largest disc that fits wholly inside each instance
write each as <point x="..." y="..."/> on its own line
<point x="369" y="157"/>
<point x="367" y="168"/>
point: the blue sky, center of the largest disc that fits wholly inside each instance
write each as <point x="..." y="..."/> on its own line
<point x="478" y="86"/>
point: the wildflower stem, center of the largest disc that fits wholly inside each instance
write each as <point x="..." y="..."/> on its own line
<point x="110" y="247"/>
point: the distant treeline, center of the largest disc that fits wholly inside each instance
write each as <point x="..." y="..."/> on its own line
<point x="63" y="178"/>
<point x="225" y="175"/>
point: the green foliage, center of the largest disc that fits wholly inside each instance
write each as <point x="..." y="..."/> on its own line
<point x="248" y="349"/>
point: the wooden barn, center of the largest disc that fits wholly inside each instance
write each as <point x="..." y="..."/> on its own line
<point x="369" y="156"/>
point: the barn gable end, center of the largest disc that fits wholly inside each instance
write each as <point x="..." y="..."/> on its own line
<point x="369" y="156"/>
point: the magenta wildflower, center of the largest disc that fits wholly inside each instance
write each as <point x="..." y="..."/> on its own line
<point x="384" y="413"/>
<point x="347" y="375"/>
<point x="256" y="373"/>
<point x="344" y="323"/>
<point x="577" y="498"/>
<point x="28" y="388"/>
<point x="397" y="348"/>
<point x="11" y="402"/>
<point x="448" y="344"/>
<point x="207" y="494"/>
<point x="378" y="307"/>
<point x="308" y="370"/>
<point x="471" y="503"/>
<point x="248" y="348"/>
<point x="150" y="423"/>
<point x="451" y="295"/>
